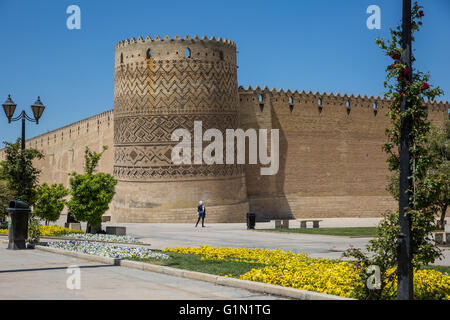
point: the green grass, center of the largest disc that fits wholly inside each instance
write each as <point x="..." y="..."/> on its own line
<point x="443" y="269"/>
<point x="193" y="263"/>
<point x="347" y="232"/>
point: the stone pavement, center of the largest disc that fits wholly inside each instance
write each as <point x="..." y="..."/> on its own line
<point x="162" y="236"/>
<point x="35" y="274"/>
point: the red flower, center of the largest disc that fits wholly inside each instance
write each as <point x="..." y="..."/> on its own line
<point x="421" y="14"/>
<point x="402" y="94"/>
<point x="399" y="79"/>
<point x="395" y="56"/>
<point x="405" y="72"/>
<point x="425" y="86"/>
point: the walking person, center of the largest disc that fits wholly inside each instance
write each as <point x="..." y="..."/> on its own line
<point x="201" y="213"/>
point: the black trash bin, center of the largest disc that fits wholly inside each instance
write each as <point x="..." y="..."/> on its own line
<point x="251" y="220"/>
<point x="18" y="212"/>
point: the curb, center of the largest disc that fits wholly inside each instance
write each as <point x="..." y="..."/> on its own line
<point x="218" y="280"/>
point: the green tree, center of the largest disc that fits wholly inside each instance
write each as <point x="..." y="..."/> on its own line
<point x="382" y="250"/>
<point x="91" y="193"/>
<point x="50" y="201"/>
<point x="435" y="182"/>
<point x="5" y="198"/>
<point x="439" y="173"/>
<point x="19" y="173"/>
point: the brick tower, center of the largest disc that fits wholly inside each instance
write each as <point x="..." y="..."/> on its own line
<point x="161" y="85"/>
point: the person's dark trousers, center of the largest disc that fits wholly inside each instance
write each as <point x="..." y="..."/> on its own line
<point x="203" y="221"/>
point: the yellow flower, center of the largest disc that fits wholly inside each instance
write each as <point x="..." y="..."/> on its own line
<point x="297" y="270"/>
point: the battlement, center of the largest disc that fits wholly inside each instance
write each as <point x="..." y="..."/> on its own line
<point x="96" y="123"/>
<point x="138" y="52"/>
<point x="324" y="98"/>
<point x="186" y="39"/>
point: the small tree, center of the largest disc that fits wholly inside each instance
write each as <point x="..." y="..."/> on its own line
<point x="435" y="181"/>
<point x="91" y="193"/>
<point x="50" y="201"/>
<point x="34" y="231"/>
<point x="19" y="173"/>
<point x="439" y="173"/>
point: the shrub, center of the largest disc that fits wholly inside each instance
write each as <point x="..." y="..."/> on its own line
<point x="50" y="201"/>
<point x="34" y="232"/>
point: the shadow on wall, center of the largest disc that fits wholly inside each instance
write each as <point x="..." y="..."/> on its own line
<point x="266" y="194"/>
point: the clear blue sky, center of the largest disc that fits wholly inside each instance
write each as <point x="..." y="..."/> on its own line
<point x="305" y="45"/>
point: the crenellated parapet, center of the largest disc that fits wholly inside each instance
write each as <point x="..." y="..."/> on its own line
<point x="95" y="125"/>
<point x="186" y="39"/>
<point x="135" y="52"/>
<point x="324" y="99"/>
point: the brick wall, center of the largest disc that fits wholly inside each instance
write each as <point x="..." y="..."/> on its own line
<point x="331" y="162"/>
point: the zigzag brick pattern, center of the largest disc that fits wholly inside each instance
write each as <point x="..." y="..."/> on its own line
<point x="154" y="97"/>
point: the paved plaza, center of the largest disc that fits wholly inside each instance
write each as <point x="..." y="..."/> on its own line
<point x="35" y="274"/>
<point x="162" y="236"/>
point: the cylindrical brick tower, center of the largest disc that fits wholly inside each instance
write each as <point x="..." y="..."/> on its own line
<point x="161" y="85"/>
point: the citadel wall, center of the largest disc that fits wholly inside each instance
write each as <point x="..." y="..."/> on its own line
<point x="331" y="161"/>
<point x="64" y="148"/>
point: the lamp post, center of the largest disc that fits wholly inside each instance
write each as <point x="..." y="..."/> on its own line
<point x="405" y="270"/>
<point x="9" y="107"/>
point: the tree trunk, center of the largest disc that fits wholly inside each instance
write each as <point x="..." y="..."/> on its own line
<point x="93" y="229"/>
<point x="442" y="221"/>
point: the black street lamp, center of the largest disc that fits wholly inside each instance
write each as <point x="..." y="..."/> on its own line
<point x="9" y="107"/>
<point x="18" y="211"/>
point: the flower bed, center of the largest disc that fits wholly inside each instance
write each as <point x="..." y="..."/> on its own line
<point x="102" y="237"/>
<point x="107" y="250"/>
<point x="51" y="231"/>
<point x="55" y="231"/>
<point x="297" y="270"/>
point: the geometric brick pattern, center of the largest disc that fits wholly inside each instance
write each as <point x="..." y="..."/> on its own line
<point x="175" y="172"/>
<point x="154" y="96"/>
<point x="159" y="128"/>
<point x="174" y="87"/>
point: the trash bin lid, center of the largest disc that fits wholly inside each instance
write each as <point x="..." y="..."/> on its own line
<point x="15" y="206"/>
